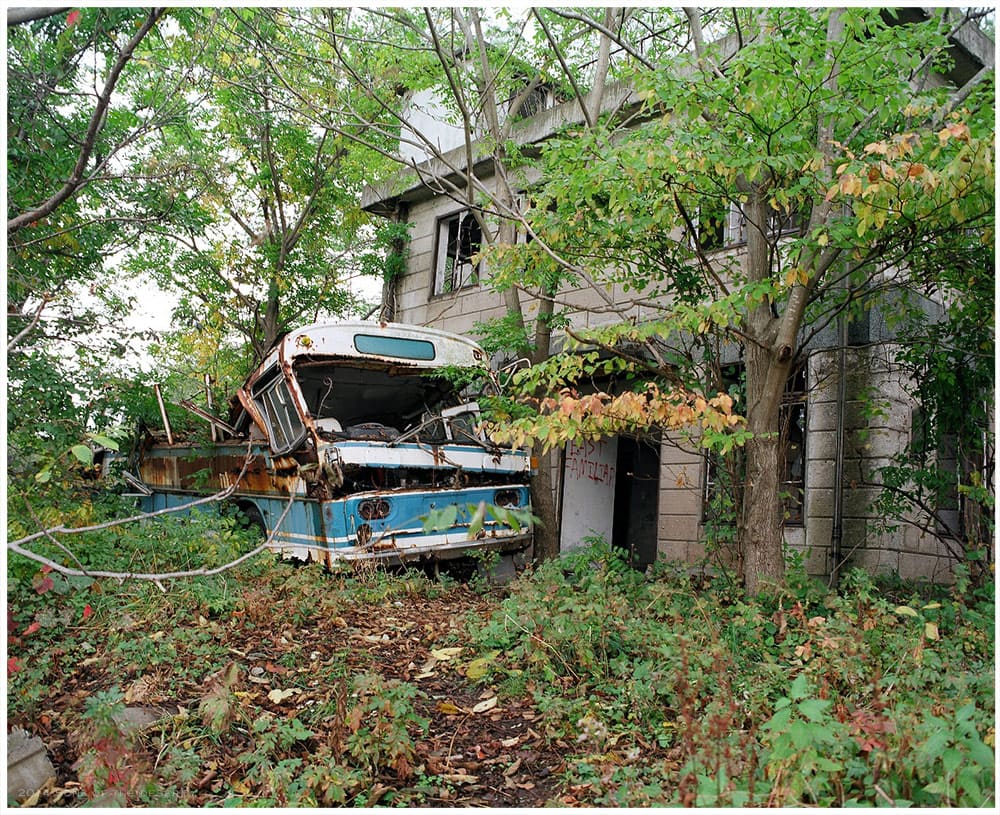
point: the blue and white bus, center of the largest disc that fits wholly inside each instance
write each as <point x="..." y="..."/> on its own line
<point x="356" y="435"/>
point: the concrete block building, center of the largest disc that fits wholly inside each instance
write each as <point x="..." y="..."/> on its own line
<point x="648" y="495"/>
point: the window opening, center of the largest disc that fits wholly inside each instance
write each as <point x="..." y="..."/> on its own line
<point x="459" y="240"/>
<point x="283" y="420"/>
<point x="723" y="476"/>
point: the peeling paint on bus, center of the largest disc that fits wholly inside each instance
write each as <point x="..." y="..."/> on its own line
<point x="349" y="422"/>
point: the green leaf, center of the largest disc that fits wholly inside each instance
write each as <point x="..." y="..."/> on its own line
<point x="813" y="709"/>
<point x="83" y="453"/>
<point x="952" y="760"/>
<point x="105" y="441"/>
<point x="800" y="687"/>
<point x="438" y="519"/>
<point x="478" y="519"/>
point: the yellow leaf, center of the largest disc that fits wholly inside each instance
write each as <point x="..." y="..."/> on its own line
<point x="478" y="668"/>
<point x="240" y="787"/>
<point x="444" y="654"/>
<point x="931" y="631"/>
<point x="448" y="709"/>
<point x="823" y="239"/>
<point x="906" y="611"/>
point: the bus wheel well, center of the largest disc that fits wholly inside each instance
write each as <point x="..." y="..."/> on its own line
<point x="252" y="516"/>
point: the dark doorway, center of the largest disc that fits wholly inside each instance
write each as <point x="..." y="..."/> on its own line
<point x="637" y="492"/>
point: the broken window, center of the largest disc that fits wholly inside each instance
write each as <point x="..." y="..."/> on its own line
<point x="724" y="477"/>
<point x="710" y="226"/>
<point x="778" y="223"/>
<point x="459" y="240"/>
<point x="283" y="419"/>
<point x="793" y="439"/>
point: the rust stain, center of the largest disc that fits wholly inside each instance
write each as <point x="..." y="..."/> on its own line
<point x="200" y="471"/>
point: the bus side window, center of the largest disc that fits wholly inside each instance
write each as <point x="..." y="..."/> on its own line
<point x="284" y="422"/>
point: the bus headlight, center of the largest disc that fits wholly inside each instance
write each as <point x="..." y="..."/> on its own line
<point x="507" y="498"/>
<point x="374" y="509"/>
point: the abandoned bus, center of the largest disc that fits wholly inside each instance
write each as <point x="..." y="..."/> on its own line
<point x="354" y="441"/>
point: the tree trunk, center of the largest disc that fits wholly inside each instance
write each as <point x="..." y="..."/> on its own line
<point x="543" y="504"/>
<point x="761" y="527"/>
<point x="760" y="533"/>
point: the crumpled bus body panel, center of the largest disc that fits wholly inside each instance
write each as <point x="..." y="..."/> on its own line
<point x="347" y="437"/>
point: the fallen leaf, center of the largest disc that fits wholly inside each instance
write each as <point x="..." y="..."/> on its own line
<point x="448" y="709"/>
<point x="278" y="696"/>
<point x="260" y="680"/>
<point x="460" y="778"/>
<point x="485" y="705"/>
<point x="444" y="654"/>
<point x="513" y="768"/>
<point x="478" y="668"/>
<point x="239" y="787"/>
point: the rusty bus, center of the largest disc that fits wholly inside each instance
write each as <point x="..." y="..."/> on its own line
<point x="353" y="442"/>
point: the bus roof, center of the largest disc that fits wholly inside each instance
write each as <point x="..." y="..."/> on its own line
<point x="390" y="342"/>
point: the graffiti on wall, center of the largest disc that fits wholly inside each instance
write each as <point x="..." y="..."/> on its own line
<point x="590" y="461"/>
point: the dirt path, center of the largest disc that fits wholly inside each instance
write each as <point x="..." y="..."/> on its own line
<point x="481" y="750"/>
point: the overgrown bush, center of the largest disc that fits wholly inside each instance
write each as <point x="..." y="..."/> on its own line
<point x="677" y="691"/>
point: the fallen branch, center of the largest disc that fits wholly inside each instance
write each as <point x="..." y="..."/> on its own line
<point x="18" y="545"/>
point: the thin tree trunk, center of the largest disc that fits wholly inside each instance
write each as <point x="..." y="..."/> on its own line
<point x="543" y="504"/>
<point x="760" y="532"/>
<point x="760" y="529"/>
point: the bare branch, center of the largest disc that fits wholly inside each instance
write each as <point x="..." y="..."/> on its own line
<point x="566" y="71"/>
<point x="19" y="16"/>
<point x="31" y="326"/>
<point x="589" y="21"/>
<point x="76" y="179"/>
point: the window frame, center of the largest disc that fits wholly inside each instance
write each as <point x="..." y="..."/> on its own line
<point x="778" y="224"/>
<point x="464" y="273"/>
<point x="286" y="429"/>
<point x="794" y="401"/>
